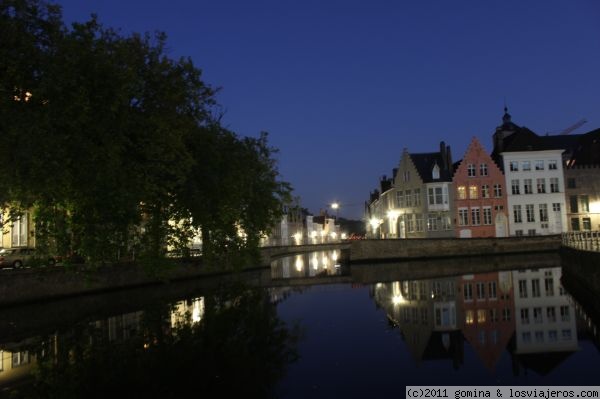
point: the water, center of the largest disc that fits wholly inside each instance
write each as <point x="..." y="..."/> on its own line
<point x="310" y="333"/>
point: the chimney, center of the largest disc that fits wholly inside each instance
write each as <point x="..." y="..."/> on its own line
<point x="444" y="155"/>
<point x="449" y="158"/>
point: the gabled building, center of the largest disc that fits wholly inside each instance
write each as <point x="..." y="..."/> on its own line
<point x="423" y="195"/>
<point x="480" y="195"/>
<point x="582" y="176"/>
<point x="534" y="178"/>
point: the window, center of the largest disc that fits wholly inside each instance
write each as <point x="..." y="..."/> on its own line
<point x="541" y="186"/>
<point x="473" y="192"/>
<point x="435" y="172"/>
<point x="517" y="214"/>
<point x="528" y="186"/>
<point x="539" y="165"/>
<point x="480" y="290"/>
<point x="573" y="205"/>
<point x="406" y="175"/>
<point x="550" y="314"/>
<point x="438" y="195"/>
<point x="424" y="316"/>
<point x="566" y="335"/>
<point x="526" y="337"/>
<point x="492" y="290"/>
<point x="400" y="199"/>
<point x="493" y="315"/>
<point x="417" y="197"/>
<point x="537" y="315"/>
<point x="463" y="216"/>
<point x="552" y="336"/>
<point x="525" y="316"/>
<point x="552" y="165"/>
<point x="554" y="185"/>
<point x="410" y="225"/>
<point x="475" y="217"/>
<point x="531" y="232"/>
<point x="515" y="186"/>
<point x="522" y="288"/>
<point x="433" y="222"/>
<point x="483" y="169"/>
<point x="549" y="286"/>
<point x="19" y="231"/>
<point x="418" y="221"/>
<point x="514" y="166"/>
<point x="571" y="183"/>
<point x="469" y="319"/>
<point x="481" y="316"/>
<point x="564" y="313"/>
<point x="535" y="288"/>
<point x="408" y="198"/>
<point x="497" y="190"/>
<point x="518" y="233"/>
<point x="539" y="336"/>
<point x="586" y="223"/>
<point x="471" y="170"/>
<point x="556" y="206"/>
<point x="468" y="291"/>
<point x="584" y="200"/>
<point x="487" y="215"/>
<point x="20" y="358"/>
<point x="485" y="191"/>
<point x="506" y="314"/>
<point x="575" y="224"/>
<point x="530" y="213"/>
<point x="543" y="212"/>
<point x="526" y="165"/>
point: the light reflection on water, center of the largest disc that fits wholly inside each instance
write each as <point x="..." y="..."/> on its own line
<point x="504" y="327"/>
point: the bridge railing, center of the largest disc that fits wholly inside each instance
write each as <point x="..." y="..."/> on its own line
<point x="584" y="240"/>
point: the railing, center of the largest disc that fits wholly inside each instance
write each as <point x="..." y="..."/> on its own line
<point x="584" y="240"/>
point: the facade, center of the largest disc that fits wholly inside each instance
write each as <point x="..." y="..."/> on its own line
<point x="545" y="318"/>
<point x="422" y="195"/>
<point x="534" y="178"/>
<point x="487" y="302"/>
<point x="480" y="195"/>
<point x="582" y="176"/>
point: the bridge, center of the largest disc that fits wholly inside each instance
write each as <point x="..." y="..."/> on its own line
<point x="269" y="254"/>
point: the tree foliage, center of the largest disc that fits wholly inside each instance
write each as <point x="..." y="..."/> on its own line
<point x="115" y="145"/>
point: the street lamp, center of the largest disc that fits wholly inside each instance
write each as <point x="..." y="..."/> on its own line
<point x="335" y="206"/>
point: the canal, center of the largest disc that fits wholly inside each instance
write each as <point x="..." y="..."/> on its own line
<point x="317" y="329"/>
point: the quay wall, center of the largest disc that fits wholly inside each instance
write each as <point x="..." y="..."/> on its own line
<point x="429" y="248"/>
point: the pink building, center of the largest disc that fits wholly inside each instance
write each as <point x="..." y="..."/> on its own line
<point x="480" y="195"/>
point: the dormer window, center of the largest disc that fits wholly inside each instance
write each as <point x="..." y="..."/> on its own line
<point x="435" y="173"/>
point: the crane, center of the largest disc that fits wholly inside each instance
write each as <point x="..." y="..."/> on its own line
<point x="573" y="127"/>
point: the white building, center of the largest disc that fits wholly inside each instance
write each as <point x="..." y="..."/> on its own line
<point x="535" y="192"/>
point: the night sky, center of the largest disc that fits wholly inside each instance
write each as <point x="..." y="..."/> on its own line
<point x="343" y="86"/>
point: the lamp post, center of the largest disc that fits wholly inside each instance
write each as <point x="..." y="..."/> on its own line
<point x="335" y="206"/>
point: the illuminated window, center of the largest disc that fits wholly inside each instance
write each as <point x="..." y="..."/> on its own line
<point x="469" y="319"/>
<point x="473" y="192"/>
<point x="19" y="231"/>
<point x="461" y="192"/>
<point x="481" y="316"/>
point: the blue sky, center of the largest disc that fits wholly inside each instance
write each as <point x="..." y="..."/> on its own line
<point x="343" y="86"/>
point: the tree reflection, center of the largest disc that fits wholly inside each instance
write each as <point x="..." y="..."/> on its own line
<point x="239" y="347"/>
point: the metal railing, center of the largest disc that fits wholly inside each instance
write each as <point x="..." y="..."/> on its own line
<point x="584" y="240"/>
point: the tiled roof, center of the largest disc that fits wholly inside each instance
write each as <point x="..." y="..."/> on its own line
<point x="425" y="162"/>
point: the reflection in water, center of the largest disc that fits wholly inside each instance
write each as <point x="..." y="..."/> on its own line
<point x="322" y="263"/>
<point x="526" y="312"/>
<point x="229" y="343"/>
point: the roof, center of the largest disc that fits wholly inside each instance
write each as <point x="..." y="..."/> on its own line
<point x="425" y="162"/>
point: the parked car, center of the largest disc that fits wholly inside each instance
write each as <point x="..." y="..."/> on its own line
<point x="18" y="257"/>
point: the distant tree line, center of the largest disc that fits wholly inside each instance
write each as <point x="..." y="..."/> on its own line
<point x="117" y="147"/>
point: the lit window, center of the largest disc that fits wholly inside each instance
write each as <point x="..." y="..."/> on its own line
<point x="473" y="192"/>
<point x="461" y="192"/>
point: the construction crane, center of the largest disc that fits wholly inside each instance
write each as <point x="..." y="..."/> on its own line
<point x="573" y="127"/>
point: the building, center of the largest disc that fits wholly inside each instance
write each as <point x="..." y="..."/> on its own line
<point x="582" y="176"/>
<point x="480" y="195"/>
<point x="422" y="195"/>
<point x="18" y="233"/>
<point x="534" y="178"/>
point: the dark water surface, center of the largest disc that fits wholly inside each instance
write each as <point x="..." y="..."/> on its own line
<point x="290" y="339"/>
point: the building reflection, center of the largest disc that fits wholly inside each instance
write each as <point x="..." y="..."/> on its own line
<point x="525" y="314"/>
<point x="312" y="264"/>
